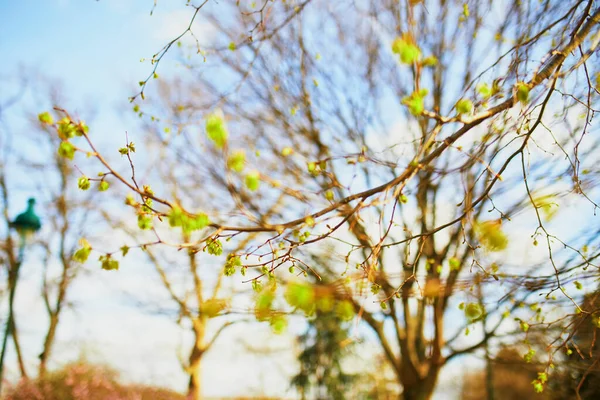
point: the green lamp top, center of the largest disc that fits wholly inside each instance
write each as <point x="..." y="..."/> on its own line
<point x="28" y="220"/>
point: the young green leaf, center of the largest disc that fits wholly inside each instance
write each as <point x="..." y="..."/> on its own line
<point x="528" y="357"/>
<point x="81" y="128"/>
<point x="236" y="161"/>
<point x="107" y="263"/>
<point x="176" y="216"/>
<point x="144" y="222"/>
<point x="83" y="183"/>
<point x="416" y="102"/>
<point x="66" y="129"/>
<point x="473" y="311"/>
<point x="46" y="118"/>
<point x="484" y="90"/>
<point x="194" y="223"/>
<point x="430" y="61"/>
<point x="253" y="181"/>
<point x="278" y="324"/>
<point x="231" y="264"/>
<point x="406" y="48"/>
<point x="67" y="150"/>
<point x="344" y="310"/>
<point x="491" y="236"/>
<point x="214" y="247"/>
<point x="103" y="186"/>
<point x="82" y="254"/>
<point x="464" y="106"/>
<point x="310" y="221"/>
<point x="454" y="263"/>
<point x="523" y="92"/>
<point x="300" y="295"/>
<point x="547" y="205"/>
<point x="213" y="307"/>
<point x="216" y="130"/>
<point x="256" y="285"/>
<point x="325" y="303"/>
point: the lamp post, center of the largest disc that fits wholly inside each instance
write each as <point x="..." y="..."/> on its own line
<point x="26" y="224"/>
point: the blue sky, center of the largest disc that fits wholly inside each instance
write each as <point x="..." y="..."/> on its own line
<point x="95" y="47"/>
<point x="92" y="50"/>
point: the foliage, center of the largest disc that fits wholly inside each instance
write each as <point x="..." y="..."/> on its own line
<point x="83" y="253"/>
<point x="237" y="160"/>
<point x="578" y="369"/>
<point x="464" y="106"/>
<point x="416" y="101"/>
<point x="82" y="381"/>
<point x="511" y="379"/>
<point x="490" y="234"/>
<point x="406" y="48"/>
<point x="216" y="130"/>
<point x="323" y="348"/>
<point x="253" y="180"/>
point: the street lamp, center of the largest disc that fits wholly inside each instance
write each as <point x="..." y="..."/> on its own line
<point x="26" y="224"/>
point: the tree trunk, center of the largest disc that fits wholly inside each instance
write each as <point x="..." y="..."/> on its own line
<point x="48" y="342"/>
<point x="15" y="337"/>
<point x="11" y="325"/>
<point x="421" y="391"/>
<point x="195" y="361"/>
<point x="55" y="314"/>
<point x="420" y="388"/>
<point x="195" y="370"/>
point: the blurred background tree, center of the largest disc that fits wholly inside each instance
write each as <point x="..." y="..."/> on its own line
<point x="68" y="215"/>
<point x="512" y="378"/>
<point x="81" y="380"/>
<point x="324" y="346"/>
<point x="577" y="373"/>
